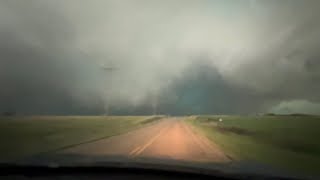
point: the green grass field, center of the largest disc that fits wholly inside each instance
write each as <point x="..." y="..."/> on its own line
<point x="288" y="142"/>
<point x="24" y="136"/>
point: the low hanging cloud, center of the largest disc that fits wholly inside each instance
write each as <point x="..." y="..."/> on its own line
<point x="297" y="106"/>
<point x="177" y="57"/>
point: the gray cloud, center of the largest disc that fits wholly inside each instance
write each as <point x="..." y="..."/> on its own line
<point x="296" y="106"/>
<point x="80" y="57"/>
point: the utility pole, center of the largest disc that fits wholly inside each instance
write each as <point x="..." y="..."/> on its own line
<point x="109" y="70"/>
<point x="155" y="106"/>
<point x="154" y="103"/>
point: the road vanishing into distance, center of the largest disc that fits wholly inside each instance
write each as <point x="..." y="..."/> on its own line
<point x="169" y="138"/>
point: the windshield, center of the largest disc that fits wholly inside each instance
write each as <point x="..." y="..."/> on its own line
<point x="197" y="82"/>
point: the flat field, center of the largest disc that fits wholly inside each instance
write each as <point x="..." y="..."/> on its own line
<point x="288" y="142"/>
<point x="24" y="136"/>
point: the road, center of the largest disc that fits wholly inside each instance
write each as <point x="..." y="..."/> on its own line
<point x="170" y="138"/>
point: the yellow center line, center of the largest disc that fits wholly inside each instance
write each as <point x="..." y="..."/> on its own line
<point x="134" y="150"/>
<point x="140" y="149"/>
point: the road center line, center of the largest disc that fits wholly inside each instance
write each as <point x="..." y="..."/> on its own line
<point x="140" y="149"/>
<point x="134" y="150"/>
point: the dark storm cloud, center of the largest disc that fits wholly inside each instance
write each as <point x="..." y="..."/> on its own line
<point x="37" y="74"/>
<point x="138" y="57"/>
<point x="202" y="90"/>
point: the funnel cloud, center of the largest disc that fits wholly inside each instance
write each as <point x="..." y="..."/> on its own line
<point x="165" y="57"/>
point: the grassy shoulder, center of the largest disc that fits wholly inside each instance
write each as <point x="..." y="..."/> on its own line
<point x="288" y="142"/>
<point x="25" y="136"/>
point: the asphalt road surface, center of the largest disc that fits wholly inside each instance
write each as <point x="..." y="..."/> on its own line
<point x="169" y="138"/>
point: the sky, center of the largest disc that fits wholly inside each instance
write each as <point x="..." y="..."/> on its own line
<point x="167" y="57"/>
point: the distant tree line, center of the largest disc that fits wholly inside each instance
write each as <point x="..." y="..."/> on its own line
<point x="8" y="113"/>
